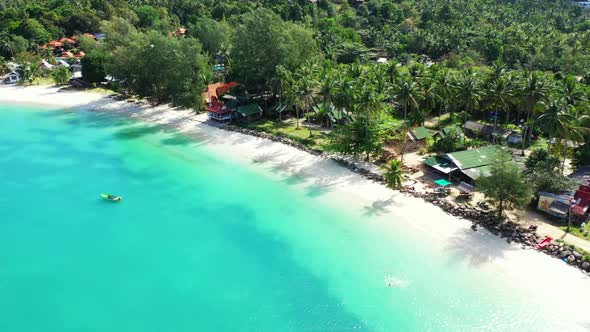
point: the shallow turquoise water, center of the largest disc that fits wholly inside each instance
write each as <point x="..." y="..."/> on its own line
<point x="201" y="243"/>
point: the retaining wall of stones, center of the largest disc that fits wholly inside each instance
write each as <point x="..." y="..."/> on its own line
<point x="512" y="232"/>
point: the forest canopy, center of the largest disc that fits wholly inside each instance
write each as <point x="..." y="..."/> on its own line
<point x="531" y="34"/>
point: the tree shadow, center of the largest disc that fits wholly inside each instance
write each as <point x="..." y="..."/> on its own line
<point x="135" y="132"/>
<point x="264" y="158"/>
<point x="285" y="165"/>
<point x="476" y="248"/>
<point x="378" y="207"/>
<point x="178" y="140"/>
<point x="321" y="186"/>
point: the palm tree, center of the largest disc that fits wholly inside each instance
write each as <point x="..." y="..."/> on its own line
<point x="307" y="85"/>
<point x="429" y="100"/>
<point x="572" y="92"/>
<point x="469" y="92"/>
<point x="556" y="121"/>
<point x="370" y="102"/>
<point x="327" y="82"/>
<point x="500" y="93"/>
<point x="444" y="87"/>
<point x="6" y="45"/>
<point x="290" y="92"/>
<point x="393" y="173"/>
<point x="392" y="71"/>
<point x="344" y="92"/>
<point x="407" y="93"/>
<point x="535" y="89"/>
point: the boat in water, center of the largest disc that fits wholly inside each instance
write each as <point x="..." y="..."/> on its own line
<point x="112" y="198"/>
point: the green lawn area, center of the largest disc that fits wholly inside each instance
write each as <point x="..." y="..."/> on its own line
<point x="43" y="81"/>
<point x="575" y="230"/>
<point x="445" y="121"/>
<point x="102" y="91"/>
<point x="289" y="129"/>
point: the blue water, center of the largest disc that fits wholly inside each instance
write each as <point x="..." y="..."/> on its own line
<point x="202" y="243"/>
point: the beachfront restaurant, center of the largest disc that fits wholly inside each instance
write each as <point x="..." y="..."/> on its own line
<point x="466" y="165"/>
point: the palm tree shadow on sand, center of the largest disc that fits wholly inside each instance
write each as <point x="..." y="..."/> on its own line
<point x="378" y="207"/>
<point x="321" y="186"/>
<point x="475" y="248"/>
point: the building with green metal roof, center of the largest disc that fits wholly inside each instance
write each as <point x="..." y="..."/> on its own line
<point x="468" y="164"/>
<point x="420" y="133"/>
<point x="249" y="111"/>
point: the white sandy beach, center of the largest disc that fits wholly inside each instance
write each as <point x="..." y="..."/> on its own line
<point x="546" y="277"/>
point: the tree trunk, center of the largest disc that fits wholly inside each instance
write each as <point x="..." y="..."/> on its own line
<point x="494" y="134"/>
<point x="405" y="112"/>
<point x="297" y="116"/>
<point x="367" y="129"/>
<point x="309" y="124"/>
<point x="508" y="115"/>
<point x="549" y="148"/>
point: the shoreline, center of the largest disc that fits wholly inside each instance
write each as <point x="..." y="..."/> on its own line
<point x="344" y="184"/>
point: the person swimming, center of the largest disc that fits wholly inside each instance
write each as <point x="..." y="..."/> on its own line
<point x="395" y="282"/>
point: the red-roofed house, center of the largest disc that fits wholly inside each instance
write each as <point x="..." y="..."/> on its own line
<point x="218" y="111"/>
<point x="216" y="90"/>
<point x="180" y="32"/>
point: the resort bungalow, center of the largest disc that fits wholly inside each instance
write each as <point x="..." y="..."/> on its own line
<point x="249" y="112"/>
<point x="420" y="133"/>
<point x="488" y="132"/>
<point x="218" y="111"/>
<point x="466" y="165"/>
<point x="11" y="78"/>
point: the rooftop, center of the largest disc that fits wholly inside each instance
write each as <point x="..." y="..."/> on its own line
<point x="421" y="133"/>
<point x="476" y="157"/>
<point x="249" y="109"/>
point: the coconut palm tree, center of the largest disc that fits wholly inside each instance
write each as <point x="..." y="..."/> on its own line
<point x="500" y="93"/>
<point x="557" y="121"/>
<point x="391" y="68"/>
<point x="407" y="93"/>
<point x="307" y="87"/>
<point x="444" y="88"/>
<point x="393" y="173"/>
<point x="572" y="93"/>
<point x="469" y="92"/>
<point x="430" y="99"/>
<point x="289" y="91"/>
<point x="535" y="89"/>
<point x="370" y="102"/>
<point x="6" y="45"/>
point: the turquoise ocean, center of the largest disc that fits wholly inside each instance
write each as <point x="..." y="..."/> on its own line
<point x="204" y="243"/>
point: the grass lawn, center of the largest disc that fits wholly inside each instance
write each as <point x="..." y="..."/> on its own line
<point x="288" y="128"/>
<point x="575" y="230"/>
<point x="445" y="121"/>
<point x="42" y="81"/>
<point x="102" y="91"/>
